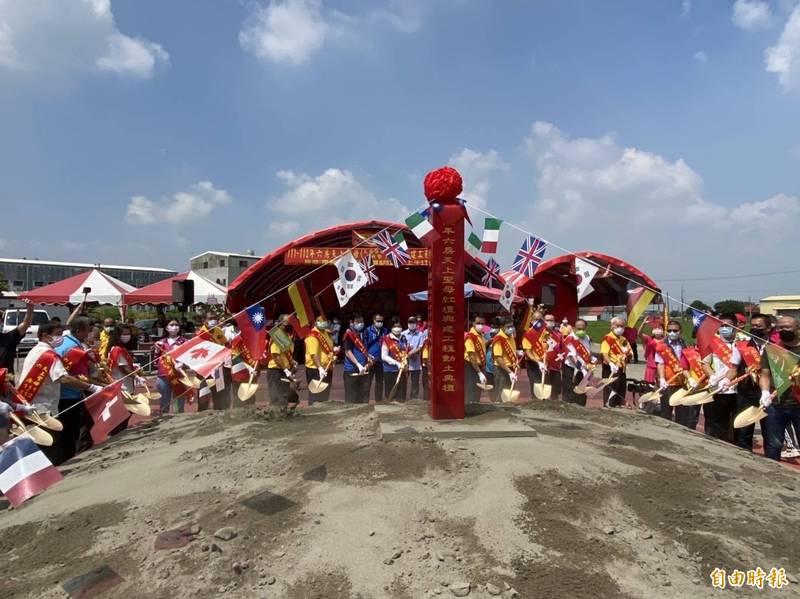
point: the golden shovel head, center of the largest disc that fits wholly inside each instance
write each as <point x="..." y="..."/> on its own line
<point x="39" y="436"/>
<point x="542" y="391"/>
<point x="697" y="399"/>
<point x="190" y="381"/>
<point x="582" y="387"/>
<point x="136" y="404"/>
<point x="153" y="395"/>
<point x="651" y="396"/>
<point x="509" y="395"/>
<point x="46" y="421"/>
<point x="749" y="416"/>
<point x="484" y="386"/>
<point x="317" y="386"/>
<point x="246" y="391"/>
<point x="677" y="398"/>
<point x="608" y="380"/>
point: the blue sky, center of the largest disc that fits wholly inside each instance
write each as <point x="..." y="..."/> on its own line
<point x="144" y="132"/>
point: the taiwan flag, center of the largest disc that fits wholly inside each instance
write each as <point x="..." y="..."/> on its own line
<point x="25" y="471"/>
<point x="200" y="355"/>
<point x="252" y="326"/>
<point x="107" y="409"/>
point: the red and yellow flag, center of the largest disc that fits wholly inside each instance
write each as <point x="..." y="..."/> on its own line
<point x="302" y="306"/>
<point x="638" y="300"/>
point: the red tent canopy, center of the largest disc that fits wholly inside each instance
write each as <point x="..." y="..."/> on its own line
<point x="105" y="289"/>
<point x="160" y="292"/>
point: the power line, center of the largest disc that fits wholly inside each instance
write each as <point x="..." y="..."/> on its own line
<point x="722" y="277"/>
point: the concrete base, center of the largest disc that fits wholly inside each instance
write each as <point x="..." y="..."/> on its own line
<point x="404" y="421"/>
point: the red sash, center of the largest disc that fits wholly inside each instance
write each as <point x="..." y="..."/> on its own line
<point x="395" y="351"/>
<point x="323" y="343"/>
<point x="671" y="362"/>
<point x="508" y="351"/>
<point x="350" y="334"/>
<point x="554" y="357"/>
<point x="538" y="340"/>
<point x="116" y="353"/>
<point x="239" y="348"/>
<point x="37" y="375"/>
<point x="215" y="335"/>
<point x="721" y="350"/>
<point x="695" y="361"/>
<point x="616" y="350"/>
<point x="477" y="341"/>
<point x="3" y="373"/>
<point x="750" y="355"/>
<point x="77" y="361"/>
<point x="580" y="349"/>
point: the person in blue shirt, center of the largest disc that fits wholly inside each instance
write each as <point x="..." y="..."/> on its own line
<point x="415" y="341"/>
<point x="373" y="338"/>
<point x="76" y="355"/>
<point x="356" y="363"/>
<point x="493" y="332"/>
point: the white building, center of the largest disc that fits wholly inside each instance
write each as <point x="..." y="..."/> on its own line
<point x="222" y="267"/>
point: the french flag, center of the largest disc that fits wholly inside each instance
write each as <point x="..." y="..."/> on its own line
<point x="25" y="471"/>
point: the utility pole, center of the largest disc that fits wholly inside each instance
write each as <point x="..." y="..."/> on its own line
<point x="683" y="305"/>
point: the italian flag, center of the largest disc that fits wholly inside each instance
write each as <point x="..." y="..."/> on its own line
<point x="491" y="235"/>
<point x="422" y="229"/>
<point x="473" y="245"/>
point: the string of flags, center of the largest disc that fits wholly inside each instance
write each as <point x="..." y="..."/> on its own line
<point x="394" y="247"/>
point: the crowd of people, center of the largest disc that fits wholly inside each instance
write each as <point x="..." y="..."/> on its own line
<point x="391" y="362"/>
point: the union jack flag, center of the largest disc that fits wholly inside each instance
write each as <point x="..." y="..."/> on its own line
<point x="530" y="256"/>
<point x="394" y="248"/>
<point x="369" y="269"/>
<point x="492" y="272"/>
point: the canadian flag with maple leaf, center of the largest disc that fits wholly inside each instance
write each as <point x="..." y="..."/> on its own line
<point x="200" y="355"/>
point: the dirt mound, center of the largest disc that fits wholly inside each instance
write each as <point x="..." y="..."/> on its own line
<point x="254" y="504"/>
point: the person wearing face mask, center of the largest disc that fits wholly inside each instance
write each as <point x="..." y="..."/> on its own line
<point x="319" y="358"/>
<point x="671" y="366"/>
<point x="721" y="366"/>
<point x="395" y="358"/>
<point x="554" y="357"/>
<point x="616" y="353"/>
<point x="506" y="362"/>
<point x="649" y="343"/>
<point x="475" y="359"/>
<point x="490" y="333"/>
<point x="44" y="379"/>
<point x="373" y="339"/>
<point x="119" y="361"/>
<point x="356" y="363"/>
<point x="784" y="410"/>
<point x="748" y="391"/>
<point x="281" y="367"/>
<point x="168" y="383"/>
<point x="105" y="339"/>
<point x="579" y="360"/>
<point x="415" y="341"/>
<point x="213" y="396"/>
<point x="211" y="331"/>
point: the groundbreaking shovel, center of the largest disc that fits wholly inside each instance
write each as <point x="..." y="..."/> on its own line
<point x="655" y="395"/>
<point x="248" y="389"/>
<point x="317" y="385"/>
<point x="542" y="391"/>
<point x="39" y="436"/>
<point x="136" y="404"/>
<point x="510" y="395"/>
<point x="151" y="395"/>
<point x="393" y="392"/>
<point x="46" y="421"/>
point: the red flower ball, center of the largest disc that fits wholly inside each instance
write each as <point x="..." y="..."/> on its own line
<point x="443" y="185"/>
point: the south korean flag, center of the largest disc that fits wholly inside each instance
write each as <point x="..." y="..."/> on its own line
<point x="351" y="278"/>
<point x="507" y="295"/>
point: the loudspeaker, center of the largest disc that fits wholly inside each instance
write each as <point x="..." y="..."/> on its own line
<point x="548" y="295"/>
<point x="183" y="292"/>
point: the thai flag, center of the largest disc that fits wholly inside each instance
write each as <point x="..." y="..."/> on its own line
<point x="530" y="256"/>
<point x="25" y="471"/>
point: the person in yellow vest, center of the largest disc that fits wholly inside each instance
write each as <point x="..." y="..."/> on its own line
<point x="281" y="368"/>
<point x="320" y="356"/>
<point x="475" y="360"/>
<point x="105" y="339"/>
<point x="506" y="364"/>
<point x="616" y="352"/>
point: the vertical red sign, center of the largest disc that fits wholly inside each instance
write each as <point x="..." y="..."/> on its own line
<point x="446" y="314"/>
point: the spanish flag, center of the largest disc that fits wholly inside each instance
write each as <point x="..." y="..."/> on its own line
<point x="302" y="306"/>
<point x="527" y="321"/>
<point x="638" y="300"/>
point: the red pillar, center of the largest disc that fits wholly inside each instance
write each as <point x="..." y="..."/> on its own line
<point x="446" y="312"/>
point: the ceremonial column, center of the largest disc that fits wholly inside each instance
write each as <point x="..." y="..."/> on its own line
<point x="446" y="295"/>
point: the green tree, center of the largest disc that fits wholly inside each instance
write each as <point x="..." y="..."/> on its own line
<point x="698" y="305"/>
<point x="729" y="306"/>
<point x="3" y="285"/>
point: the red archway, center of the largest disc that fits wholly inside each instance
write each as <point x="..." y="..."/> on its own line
<point x="611" y="283"/>
<point x="280" y="268"/>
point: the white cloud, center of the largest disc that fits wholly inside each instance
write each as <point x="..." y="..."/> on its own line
<point x="784" y="57"/>
<point x="751" y="14"/>
<point x="476" y="169"/>
<point x="289" y="31"/>
<point x="686" y="8"/>
<point x="196" y="203"/>
<point x="593" y="193"/>
<point x="700" y="57"/>
<point x="56" y="38"/>
<point x="333" y="197"/>
<point x="292" y="31"/>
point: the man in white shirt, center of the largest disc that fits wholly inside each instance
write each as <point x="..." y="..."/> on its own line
<point x="721" y="366"/>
